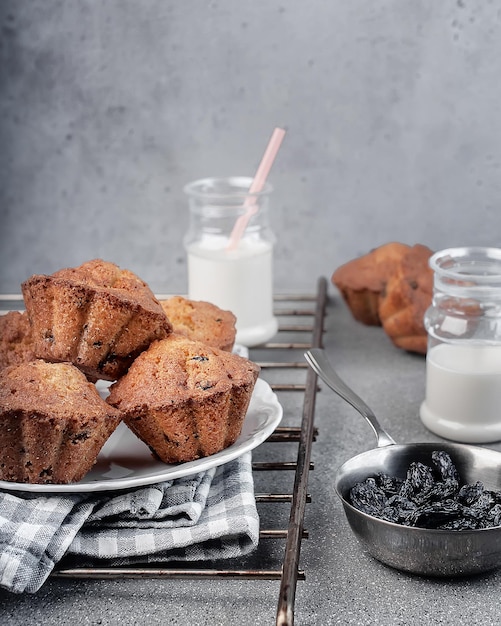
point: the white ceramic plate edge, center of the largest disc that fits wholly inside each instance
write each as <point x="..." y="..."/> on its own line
<point x="263" y="417"/>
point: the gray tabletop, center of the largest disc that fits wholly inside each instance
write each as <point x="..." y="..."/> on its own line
<point x="343" y="584"/>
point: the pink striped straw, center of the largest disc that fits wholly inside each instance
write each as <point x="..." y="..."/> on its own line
<point x="257" y="185"/>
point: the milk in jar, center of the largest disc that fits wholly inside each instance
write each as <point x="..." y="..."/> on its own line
<point x="463" y="362"/>
<point x="463" y="392"/>
<point x="238" y="279"/>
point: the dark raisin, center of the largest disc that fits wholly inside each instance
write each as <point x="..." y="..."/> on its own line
<point x="493" y="517"/>
<point x="435" y="514"/>
<point x="83" y="436"/>
<point x="389" y="484"/>
<point x="482" y="505"/>
<point x="445" y="466"/>
<point x="172" y="442"/>
<point x="418" y="481"/>
<point x="109" y="358"/>
<point x="369" y="498"/>
<point x="399" y="510"/>
<point x="199" y="358"/>
<point x="468" y="494"/>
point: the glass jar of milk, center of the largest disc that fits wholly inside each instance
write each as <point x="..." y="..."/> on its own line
<point x="235" y="276"/>
<point x="463" y="362"/>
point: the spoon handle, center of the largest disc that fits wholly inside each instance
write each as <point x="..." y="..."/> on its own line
<point x="319" y="363"/>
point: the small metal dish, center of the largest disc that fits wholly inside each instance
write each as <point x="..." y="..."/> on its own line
<point x="429" y="552"/>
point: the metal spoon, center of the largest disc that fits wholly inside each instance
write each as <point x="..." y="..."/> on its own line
<point x="418" y="550"/>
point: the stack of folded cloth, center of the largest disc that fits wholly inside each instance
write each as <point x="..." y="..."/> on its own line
<point x="203" y="517"/>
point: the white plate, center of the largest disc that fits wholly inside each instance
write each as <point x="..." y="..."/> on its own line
<point x="125" y="461"/>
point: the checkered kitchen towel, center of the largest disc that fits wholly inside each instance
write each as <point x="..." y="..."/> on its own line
<point x="210" y="515"/>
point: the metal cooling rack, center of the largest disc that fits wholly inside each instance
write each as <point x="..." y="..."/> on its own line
<point x="300" y="315"/>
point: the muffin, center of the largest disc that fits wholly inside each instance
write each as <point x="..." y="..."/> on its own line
<point x="362" y="280"/>
<point x="201" y="321"/>
<point x="405" y="298"/>
<point x="16" y="343"/>
<point x="184" y="399"/>
<point x="53" y="423"/>
<point x="97" y="316"/>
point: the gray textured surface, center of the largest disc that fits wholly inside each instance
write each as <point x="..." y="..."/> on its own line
<point x="108" y="108"/>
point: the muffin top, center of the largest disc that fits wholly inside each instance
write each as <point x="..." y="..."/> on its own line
<point x="201" y="321"/>
<point x="372" y="270"/>
<point x="105" y="277"/>
<point x="177" y="369"/>
<point x="58" y="390"/>
<point x="96" y="316"/>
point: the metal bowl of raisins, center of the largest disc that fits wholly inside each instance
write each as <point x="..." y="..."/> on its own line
<point x="424" y="508"/>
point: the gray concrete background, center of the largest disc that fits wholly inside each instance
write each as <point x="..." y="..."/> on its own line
<point x="108" y="108"/>
<point x="393" y="113"/>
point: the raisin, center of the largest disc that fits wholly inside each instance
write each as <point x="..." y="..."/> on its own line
<point x="481" y="507"/>
<point x="419" y="477"/>
<point x="445" y="466"/>
<point x="111" y="357"/>
<point x="389" y="484"/>
<point x="83" y="436"/>
<point x="399" y="510"/>
<point x="368" y="498"/>
<point x="435" y="514"/>
<point x="469" y="493"/>
<point x="493" y="517"/>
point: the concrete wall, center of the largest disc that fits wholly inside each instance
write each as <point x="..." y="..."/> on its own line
<point x="107" y="108"/>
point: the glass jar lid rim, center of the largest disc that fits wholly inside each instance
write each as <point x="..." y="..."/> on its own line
<point x="236" y="186"/>
<point x="448" y="262"/>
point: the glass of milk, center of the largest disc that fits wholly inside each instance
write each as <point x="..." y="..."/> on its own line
<point x="463" y="362"/>
<point x="236" y="278"/>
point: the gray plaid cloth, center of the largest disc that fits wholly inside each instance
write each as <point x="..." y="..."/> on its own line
<point x="210" y="515"/>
